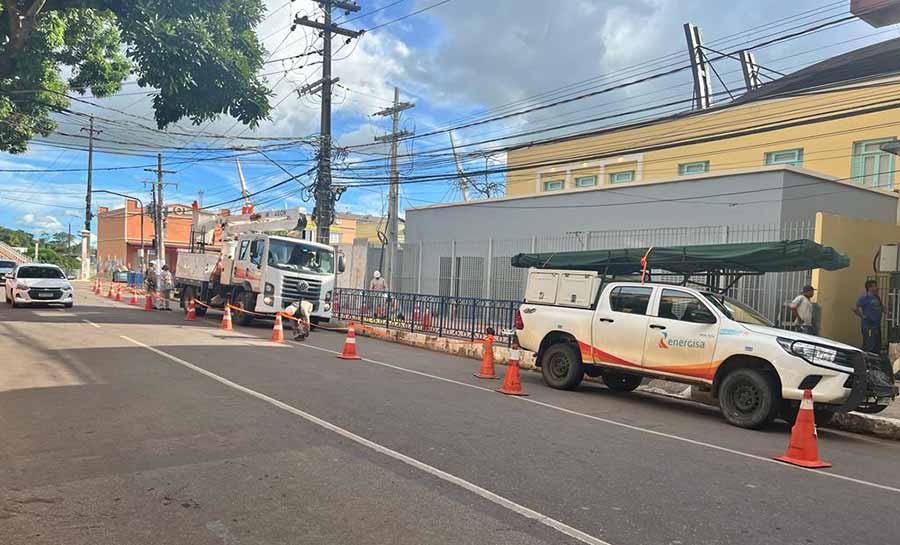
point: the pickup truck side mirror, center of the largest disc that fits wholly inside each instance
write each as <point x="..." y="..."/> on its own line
<point x="342" y="266"/>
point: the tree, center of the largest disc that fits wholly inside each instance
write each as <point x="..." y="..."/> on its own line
<point x="202" y="55"/>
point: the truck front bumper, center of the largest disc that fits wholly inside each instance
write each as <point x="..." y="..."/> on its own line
<point x="871" y="385"/>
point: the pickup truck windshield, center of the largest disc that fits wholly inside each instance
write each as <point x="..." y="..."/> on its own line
<point x="299" y="257"/>
<point x="738" y="312"/>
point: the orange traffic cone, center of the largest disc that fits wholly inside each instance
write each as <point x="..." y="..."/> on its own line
<point x="278" y="330"/>
<point x="134" y="300"/>
<point x="350" y="345"/>
<point x="148" y="302"/>
<point x="487" y="359"/>
<point x="119" y="294"/>
<point x="803" y="450"/>
<point x="110" y="293"/>
<point x="512" y="383"/>
<point x="191" y="311"/>
<point x="226" y="319"/>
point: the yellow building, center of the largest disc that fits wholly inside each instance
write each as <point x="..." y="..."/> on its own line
<point x="348" y="227"/>
<point x="831" y="117"/>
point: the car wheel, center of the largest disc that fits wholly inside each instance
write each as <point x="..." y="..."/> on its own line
<point x="621" y="382"/>
<point x="244" y="300"/>
<point x="748" y="398"/>
<point x="561" y="367"/>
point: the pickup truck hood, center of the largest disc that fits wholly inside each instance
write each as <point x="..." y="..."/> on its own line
<point x="50" y="283"/>
<point x="794" y="335"/>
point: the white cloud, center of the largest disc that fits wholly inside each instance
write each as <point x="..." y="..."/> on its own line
<point x="42" y="224"/>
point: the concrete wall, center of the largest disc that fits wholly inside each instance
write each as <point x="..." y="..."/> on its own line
<point x="839" y="290"/>
<point x="770" y="195"/>
<point x="803" y="197"/>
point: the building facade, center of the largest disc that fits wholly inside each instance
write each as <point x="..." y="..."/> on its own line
<point x="831" y="118"/>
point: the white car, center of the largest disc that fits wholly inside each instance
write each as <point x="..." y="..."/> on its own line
<point x="38" y="283"/>
<point x="6" y="267"/>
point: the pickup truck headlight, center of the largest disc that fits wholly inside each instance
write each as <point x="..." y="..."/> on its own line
<point x="812" y="353"/>
<point x="269" y="289"/>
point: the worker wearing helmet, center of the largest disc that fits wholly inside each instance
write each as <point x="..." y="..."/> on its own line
<point x="377" y="283"/>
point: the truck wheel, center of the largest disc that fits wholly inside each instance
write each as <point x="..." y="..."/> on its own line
<point x="561" y="367"/>
<point x="244" y="300"/>
<point x="186" y="295"/>
<point x="748" y="398"/>
<point x="621" y="382"/>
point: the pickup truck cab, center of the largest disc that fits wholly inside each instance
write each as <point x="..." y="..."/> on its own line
<point x="625" y="331"/>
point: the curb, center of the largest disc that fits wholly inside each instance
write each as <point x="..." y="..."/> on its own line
<point x="865" y="424"/>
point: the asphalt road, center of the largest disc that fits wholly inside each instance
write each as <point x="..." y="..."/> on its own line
<point x="125" y="427"/>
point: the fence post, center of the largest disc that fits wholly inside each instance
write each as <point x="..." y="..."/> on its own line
<point x="453" y="269"/>
<point x="387" y="312"/>
<point x="490" y="262"/>
<point x="534" y="244"/>
<point x="441" y="309"/>
<point x="419" y="268"/>
<point x="414" y="311"/>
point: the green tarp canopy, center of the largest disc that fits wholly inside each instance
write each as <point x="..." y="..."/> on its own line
<point x="749" y="257"/>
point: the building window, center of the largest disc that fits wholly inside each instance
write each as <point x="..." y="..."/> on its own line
<point x="698" y="167"/>
<point x="586" y="181"/>
<point x="554" y="185"/>
<point x="621" y="177"/>
<point x="334" y="238"/>
<point x="871" y="166"/>
<point x="785" y="157"/>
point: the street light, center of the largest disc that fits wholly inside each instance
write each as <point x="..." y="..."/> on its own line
<point x="140" y="202"/>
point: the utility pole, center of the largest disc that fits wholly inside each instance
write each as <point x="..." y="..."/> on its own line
<point x="86" y="233"/>
<point x="394" y="193"/>
<point x="159" y="220"/>
<point x="200" y="197"/>
<point x="325" y="197"/>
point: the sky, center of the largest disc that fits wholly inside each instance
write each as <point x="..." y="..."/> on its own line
<point x="459" y="61"/>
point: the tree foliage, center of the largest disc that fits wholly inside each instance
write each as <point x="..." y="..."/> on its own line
<point x="52" y="248"/>
<point x="203" y="56"/>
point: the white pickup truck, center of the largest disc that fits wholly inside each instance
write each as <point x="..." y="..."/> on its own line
<point x="625" y="331"/>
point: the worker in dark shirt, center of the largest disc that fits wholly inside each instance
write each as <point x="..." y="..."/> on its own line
<point x="869" y="309"/>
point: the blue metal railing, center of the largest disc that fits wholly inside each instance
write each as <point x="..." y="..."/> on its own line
<point x="460" y="317"/>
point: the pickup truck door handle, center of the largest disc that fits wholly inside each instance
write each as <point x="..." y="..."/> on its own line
<point x="657" y="326"/>
<point x="607" y="320"/>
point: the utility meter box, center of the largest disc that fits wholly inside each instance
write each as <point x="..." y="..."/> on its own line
<point x="889" y="258"/>
<point x="562" y="288"/>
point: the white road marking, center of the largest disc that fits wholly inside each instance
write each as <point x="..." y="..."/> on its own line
<point x="626" y="426"/>
<point x="381" y="449"/>
<point x="90" y="323"/>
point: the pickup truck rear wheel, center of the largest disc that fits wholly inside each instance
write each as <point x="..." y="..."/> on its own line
<point x="621" y="382"/>
<point x="561" y="367"/>
<point x="748" y="398"/>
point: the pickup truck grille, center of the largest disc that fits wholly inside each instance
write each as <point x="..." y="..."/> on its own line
<point x="292" y="289"/>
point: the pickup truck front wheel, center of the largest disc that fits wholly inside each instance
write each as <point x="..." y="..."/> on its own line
<point x="561" y="367"/>
<point x="748" y="398"/>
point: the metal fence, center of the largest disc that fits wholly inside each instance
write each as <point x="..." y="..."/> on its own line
<point x="462" y="317"/>
<point x="482" y="269"/>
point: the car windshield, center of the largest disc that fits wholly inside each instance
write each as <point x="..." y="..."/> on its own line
<point x="738" y="312"/>
<point x="300" y="257"/>
<point x="40" y="272"/>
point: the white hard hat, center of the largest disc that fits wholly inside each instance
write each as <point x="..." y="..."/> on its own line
<point x="377" y="274"/>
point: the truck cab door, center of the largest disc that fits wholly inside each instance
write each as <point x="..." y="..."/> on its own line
<point x="249" y="262"/>
<point x="681" y="336"/>
<point x="620" y="326"/>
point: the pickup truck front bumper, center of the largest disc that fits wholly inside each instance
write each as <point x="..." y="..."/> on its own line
<point x="871" y="385"/>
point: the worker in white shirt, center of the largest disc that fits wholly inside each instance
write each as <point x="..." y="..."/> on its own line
<point x="802" y="310"/>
